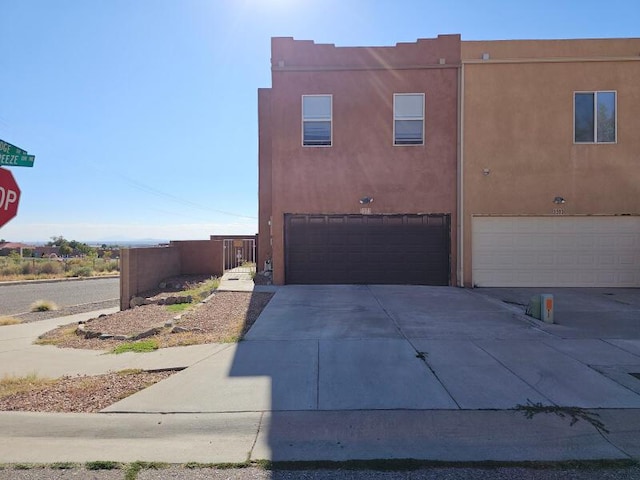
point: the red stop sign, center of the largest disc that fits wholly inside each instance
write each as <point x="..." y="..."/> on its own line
<point x="9" y="196"/>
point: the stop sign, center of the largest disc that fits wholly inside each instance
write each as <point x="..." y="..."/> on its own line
<point x="9" y="196"/>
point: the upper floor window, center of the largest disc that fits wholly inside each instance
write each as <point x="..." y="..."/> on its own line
<point x="408" y="119"/>
<point x="595" y="117"/>
<point x="316" y="120"/>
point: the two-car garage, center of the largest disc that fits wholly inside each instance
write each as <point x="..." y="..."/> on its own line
<point x="556" y="251"/>
<point x="367" y="249"/>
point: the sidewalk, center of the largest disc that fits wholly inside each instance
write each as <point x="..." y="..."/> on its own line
<point x="346" y="383"/>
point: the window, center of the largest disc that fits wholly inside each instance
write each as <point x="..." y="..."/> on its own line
<point x="408" y="119"/>
<point x="316" y="120"/>
<point x="595" y="117"/>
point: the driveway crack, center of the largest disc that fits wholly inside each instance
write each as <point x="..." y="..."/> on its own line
<point x="420" y="355"/>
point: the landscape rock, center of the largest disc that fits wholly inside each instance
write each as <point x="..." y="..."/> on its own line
<point x="147" y="334"/>
<point x="137" y="301"/>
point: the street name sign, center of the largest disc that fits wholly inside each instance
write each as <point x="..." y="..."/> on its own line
<point x="13" y="156"/>
<point x="9" y="196"/>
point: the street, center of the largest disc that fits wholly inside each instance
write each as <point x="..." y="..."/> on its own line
<point x="16" y="299"/>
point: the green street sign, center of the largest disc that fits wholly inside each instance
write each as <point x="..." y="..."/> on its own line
<point x="13" y="156"/>
<point x="17" y="160"/>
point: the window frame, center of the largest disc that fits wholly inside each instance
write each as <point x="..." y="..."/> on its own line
<point x="322" y="120"/>
<point x="414" y="118"/>
<point x="595" y="140"/>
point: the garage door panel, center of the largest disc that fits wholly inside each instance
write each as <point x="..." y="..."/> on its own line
<point x="596" y="251"/>
<point x="376" y="249"/>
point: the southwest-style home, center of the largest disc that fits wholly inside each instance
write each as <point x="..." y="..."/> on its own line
<point x="550" y="163"/>
<point x="441" y="162"/>
<point x="357" y="167"/>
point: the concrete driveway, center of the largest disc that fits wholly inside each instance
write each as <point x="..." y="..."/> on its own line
<point x="402" y="347"/>
<point x="367" y="372"/>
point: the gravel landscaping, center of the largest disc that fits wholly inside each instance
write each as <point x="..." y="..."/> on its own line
<point x="223" y="317"/>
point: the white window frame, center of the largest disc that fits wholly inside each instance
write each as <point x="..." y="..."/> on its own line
<point x="415" y="118"/>
<point x="595" y="117"/>
<point x="330" y="119"/>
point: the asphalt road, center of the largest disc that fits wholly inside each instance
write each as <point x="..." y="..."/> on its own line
<point x="15" y="299"/>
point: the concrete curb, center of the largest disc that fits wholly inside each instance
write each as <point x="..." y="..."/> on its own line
<point x="55" y="280"/>
<point x="294" y="436"/>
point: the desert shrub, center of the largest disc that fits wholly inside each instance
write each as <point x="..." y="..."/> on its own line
<point x="51" y="268"/>
<point x="113" y="266"/>
<point x="72" y="263"/>
<point x="43" y="306"/>
<point x="85" y="271"/>
<point x="9" y="270"/>
<point x="28" y="268"/>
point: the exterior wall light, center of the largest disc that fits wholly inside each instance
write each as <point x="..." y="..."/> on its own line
<point x="559" y="200"/>
<point x="366" y="200"/>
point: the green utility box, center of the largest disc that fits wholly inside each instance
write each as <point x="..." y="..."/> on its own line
<point x="541" y="307"/>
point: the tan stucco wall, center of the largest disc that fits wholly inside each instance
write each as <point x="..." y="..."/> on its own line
<point x="518" y="123"/>
<point x="142" y="269"/>
<point x="200" y="257"/>
<point x="362" y="160"/>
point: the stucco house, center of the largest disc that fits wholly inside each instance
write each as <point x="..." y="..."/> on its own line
<point x="550" y="163"/>
<point x="357" y="163"/>
<point x="447" y="162"/>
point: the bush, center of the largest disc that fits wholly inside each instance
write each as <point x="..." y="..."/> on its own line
<point x="50" y="268"/>
<point x="9" y="270"/>
<point x="113" y="266"/>
<point x="28" y="268"/>
<point x="82" y="272"/>
<point x="43" y="306"/>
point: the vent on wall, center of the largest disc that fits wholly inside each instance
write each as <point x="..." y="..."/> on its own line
<point x="485" y="56"/>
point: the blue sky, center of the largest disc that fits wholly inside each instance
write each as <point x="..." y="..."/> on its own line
<point x="142" y="114"/>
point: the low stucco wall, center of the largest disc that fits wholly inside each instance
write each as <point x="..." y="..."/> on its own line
<point x="200" y="257"/>
<point x="144" y="268"/>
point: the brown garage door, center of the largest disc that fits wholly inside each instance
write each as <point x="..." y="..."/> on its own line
<point x="367" y="249"/>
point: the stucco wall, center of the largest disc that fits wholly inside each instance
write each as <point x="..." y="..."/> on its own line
<point x="518" y="124"/>
<point x="200" y="257"/>
<point x="362" y="160"/>
<point x="264" y="177"/>
<point x="142" y="269"/>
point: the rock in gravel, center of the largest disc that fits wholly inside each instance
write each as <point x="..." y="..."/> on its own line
<point x="137" y="301"/>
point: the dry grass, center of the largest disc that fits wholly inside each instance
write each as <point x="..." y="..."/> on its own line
<point x="11" y="385"/>
<point x="58" y="336"/>
<point x="9" y="321"/>
<point x="43" y="306"/>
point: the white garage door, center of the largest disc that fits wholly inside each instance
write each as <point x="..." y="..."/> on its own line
<point x="556" y="251"/>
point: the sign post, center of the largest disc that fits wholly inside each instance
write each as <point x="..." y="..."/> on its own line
<point x="9" y="196"/>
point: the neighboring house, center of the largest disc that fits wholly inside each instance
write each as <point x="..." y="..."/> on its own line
<point x="480" y="163"/>
<point x="358" y="160"/>
<point x="7" y="248"/>
<point x="551" y="163"/>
